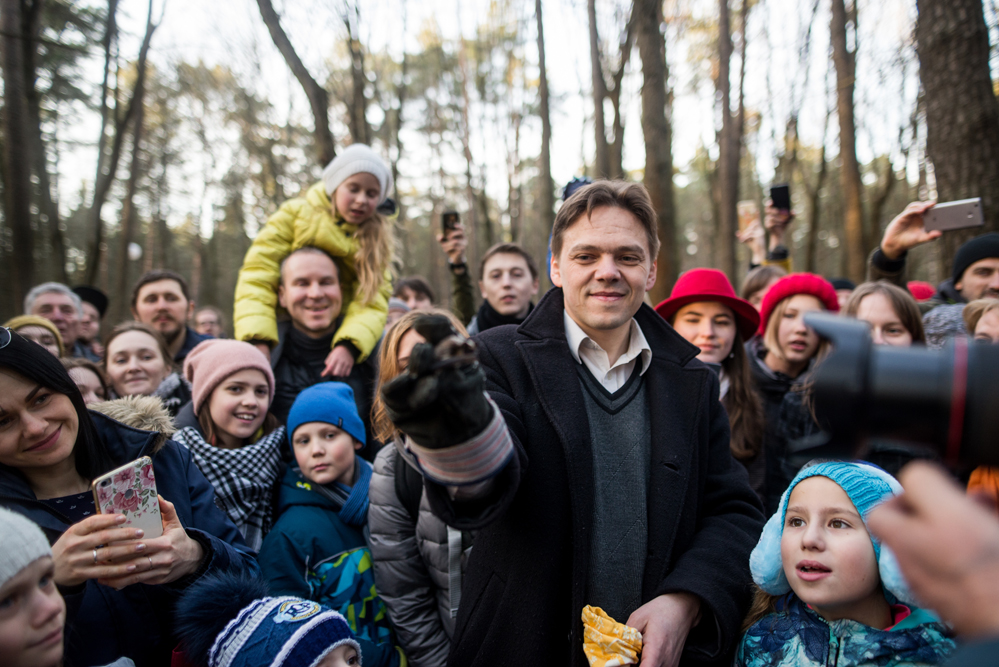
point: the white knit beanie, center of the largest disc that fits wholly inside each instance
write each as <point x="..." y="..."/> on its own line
<point x="23" y="544"/>
<point x="357" y="159"/>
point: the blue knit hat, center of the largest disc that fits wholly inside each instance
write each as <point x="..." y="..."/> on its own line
<point x="867" y="486"/>
<point x="330" y="403"/>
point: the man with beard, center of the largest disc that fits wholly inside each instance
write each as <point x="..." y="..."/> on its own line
<point x="310" y="291"/>
<point x="162" y="300"/>
<point x="975" y="271"/>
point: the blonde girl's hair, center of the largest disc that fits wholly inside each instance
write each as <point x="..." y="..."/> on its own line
<point x="905" y="306"/>
<point x="388" y="367"/>
<point x="762" y="606"/>
<point x="375" y="253"/>
<point x="976" y="310"/>
<point x="770" y="336"/>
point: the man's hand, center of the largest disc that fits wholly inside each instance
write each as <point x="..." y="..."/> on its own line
<point x="664" y="623"/>
<point x="947" y="546"/>
<point x="339" y="362"/>
<point x="439" y="400"/>
<point x="776" y="220"/>
<point x="454" y="244"/>
<point x="753" y="237"/>
<point x="907" y="230"/>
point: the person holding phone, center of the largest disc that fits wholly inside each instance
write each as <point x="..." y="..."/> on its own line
<point x="454" y="243"/>
<point x="975" y="272"/>
<point x="119" y="588"/>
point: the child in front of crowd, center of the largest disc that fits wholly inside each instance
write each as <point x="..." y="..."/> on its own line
<point x="829" y="594"/>
<point x="228" y="621"/>
<point x="317" y="549"/>
<point x="235" y="441"/>
<point x="340" y="216"/>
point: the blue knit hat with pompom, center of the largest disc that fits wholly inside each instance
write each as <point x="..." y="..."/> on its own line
<point x="867" y="487"/>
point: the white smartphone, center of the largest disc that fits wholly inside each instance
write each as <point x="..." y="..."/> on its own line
<point x="959" y="214"/>
<point x="131" y="491"/>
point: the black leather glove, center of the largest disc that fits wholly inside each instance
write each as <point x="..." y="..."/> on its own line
<point x="439" y="401"/>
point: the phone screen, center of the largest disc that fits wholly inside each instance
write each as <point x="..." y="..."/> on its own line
<point x="780" y="196"/>
<point x="449" y="221"/>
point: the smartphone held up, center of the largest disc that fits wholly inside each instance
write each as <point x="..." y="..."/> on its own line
<point x="131" y="491"/>
<point x="960" y="214"/>
<point x="449" y="222"/>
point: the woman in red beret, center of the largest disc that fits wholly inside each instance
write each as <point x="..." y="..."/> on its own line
<point x="704" y="309"/>
<point x="782" y="353"/>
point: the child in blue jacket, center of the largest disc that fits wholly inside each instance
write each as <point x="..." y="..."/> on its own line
<point x="316" y="549"/>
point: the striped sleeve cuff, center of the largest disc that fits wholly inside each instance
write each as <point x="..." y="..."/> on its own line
<point x="470" y="462"/>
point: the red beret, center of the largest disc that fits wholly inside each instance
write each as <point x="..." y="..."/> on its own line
<point x="797" y="283"/>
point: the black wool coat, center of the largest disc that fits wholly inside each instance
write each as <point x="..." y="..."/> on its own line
<point x="525" y="584"/>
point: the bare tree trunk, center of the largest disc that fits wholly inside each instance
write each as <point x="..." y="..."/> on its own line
<point x="319" y="100"/>
<point x="602" y="163"/>
<point x="729" y="145"/>
<point x="514" y="189"/>
<point x="360" y="130"/>
<point x="846" y="68"/>
<point x="658" y="136"/>
<point x="882" y="190"/>
<point x="17" y="150"/>
<point x="962" y="115"/>
<point x="545" y="178"/>
<point x="814" y="194"/>
<point x="128" y="215"/>
<point x="472" y="226"/>
<point x="617" y="147"/>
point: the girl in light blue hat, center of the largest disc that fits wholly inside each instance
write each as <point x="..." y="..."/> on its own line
<point x="829" y="594"/>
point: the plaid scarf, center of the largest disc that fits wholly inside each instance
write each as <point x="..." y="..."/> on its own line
<point x="243" y="478"/>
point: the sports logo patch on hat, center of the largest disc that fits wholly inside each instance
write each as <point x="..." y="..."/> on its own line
<point x="293" y="611"/>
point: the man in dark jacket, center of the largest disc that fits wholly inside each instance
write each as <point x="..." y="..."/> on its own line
<point x="597" y="467"/>
<point x="310" y="292"/>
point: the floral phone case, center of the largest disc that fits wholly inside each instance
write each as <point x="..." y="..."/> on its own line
<point x="131" y="491"/>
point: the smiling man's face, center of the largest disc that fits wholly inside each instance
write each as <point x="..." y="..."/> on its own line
<point x="604" y="269"/>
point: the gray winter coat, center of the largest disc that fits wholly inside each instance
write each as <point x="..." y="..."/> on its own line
<point x="418" y="565"/>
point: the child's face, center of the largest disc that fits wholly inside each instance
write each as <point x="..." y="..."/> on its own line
<point x="32" y="615"/>
<point x="827" y="553"/>
<point x="357" y="197"/>
<point x="239" y="405"/>
<point x="342" y="656"/>
<point x="324" y="453"/>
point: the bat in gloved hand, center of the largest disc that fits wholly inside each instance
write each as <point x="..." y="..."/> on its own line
<point x="439" y="400"/>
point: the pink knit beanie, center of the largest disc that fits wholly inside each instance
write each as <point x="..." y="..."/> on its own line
<point x="213" y="360"/>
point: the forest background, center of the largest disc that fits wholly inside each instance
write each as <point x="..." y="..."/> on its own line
<point x="163" y="133"/>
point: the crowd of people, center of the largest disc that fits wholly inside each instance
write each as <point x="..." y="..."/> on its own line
<point x="360" y="475"/>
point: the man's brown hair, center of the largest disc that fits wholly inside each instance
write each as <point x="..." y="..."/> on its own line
<point x="157" y="275"/>
<point x="631" y="197"/>
<point x="508" y="249"/>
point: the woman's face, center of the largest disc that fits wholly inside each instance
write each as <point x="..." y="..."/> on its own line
<point x="756" y="298"/>
<point x="239" y="405"/>
<point x="886" y="326"/>
<point x="135" y="364"/>
<point x="42" y="336"/>
<point x="987" y="328"/>
<point x="89" y="385"/>
<point x="797" y="341"/>
<point x="38" y="426"/>
<point x="357" y="197"/>
<point x="32" y="614"/>
<point x="710" y="326"/>
<point x="409" y="340"/>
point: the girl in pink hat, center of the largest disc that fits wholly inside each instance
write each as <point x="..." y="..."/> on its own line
<point x="704" y="309"/>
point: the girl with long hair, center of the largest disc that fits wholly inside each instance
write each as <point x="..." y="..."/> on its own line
<point x="704" y="309"/>
<point x="339" y="215"/>
<point x="891" y="311"/>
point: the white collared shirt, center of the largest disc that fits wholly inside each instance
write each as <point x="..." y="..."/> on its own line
<point x="586" y="351"/>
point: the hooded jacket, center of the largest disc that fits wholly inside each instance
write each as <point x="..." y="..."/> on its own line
<point x="798" y="637"/>
<point x="311" y="553"/>
<point x="306" y="221"/>
<point x="104" y="624"/>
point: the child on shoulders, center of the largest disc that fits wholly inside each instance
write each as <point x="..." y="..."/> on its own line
<point x="829" y="594"/>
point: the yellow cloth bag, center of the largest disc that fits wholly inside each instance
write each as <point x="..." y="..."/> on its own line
<point x="608" y="643"/>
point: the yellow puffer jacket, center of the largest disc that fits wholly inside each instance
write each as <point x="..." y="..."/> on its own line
<point x="306" y="221"/>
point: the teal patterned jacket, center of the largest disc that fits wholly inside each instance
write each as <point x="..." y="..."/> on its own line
<point x="311" y="553"/>
<point x="797" y="636"/>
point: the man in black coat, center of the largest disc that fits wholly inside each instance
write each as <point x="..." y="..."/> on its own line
<point x="598" y="469"/>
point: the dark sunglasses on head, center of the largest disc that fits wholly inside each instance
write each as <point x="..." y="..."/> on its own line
<point x="5" y="337"/>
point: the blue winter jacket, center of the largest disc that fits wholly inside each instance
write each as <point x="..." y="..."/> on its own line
<point x="311" y="553"/>
<point x="796" y="636"/>
<point x="104" y="624"/>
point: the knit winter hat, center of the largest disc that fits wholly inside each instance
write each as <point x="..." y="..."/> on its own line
<point x="330" y="403"/>
<point x="797" y="283"/>
<point x="395" y="303"/>
<point x="867" y="487"/>
<point x="23" y="544"/>
<point x="16" y="323"/>
<point x="357" y="159"/>
<point x="213" y="360"/>
<point x="978" y="248"/>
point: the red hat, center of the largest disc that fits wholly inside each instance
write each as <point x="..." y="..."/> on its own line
<point x="797" y="283"/>
<point x="920" y="290"/>
<point x="710" y="285"/>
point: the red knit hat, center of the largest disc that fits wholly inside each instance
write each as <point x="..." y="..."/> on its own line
<point x="213" y="360"/>
<point x="710" y="285"/>
<point x="797" y="283"/>
<point x="920" y="290"/>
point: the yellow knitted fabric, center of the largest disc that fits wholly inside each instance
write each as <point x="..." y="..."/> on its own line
<point x="608" y="643"/>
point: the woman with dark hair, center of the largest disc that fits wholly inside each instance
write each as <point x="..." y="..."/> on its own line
<point x="119" y="588"/>
<point x="89" y="379"/>
<point x="704" y="309"/>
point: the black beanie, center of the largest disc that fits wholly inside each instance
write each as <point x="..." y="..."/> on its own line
<point x="978" y="248"/>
